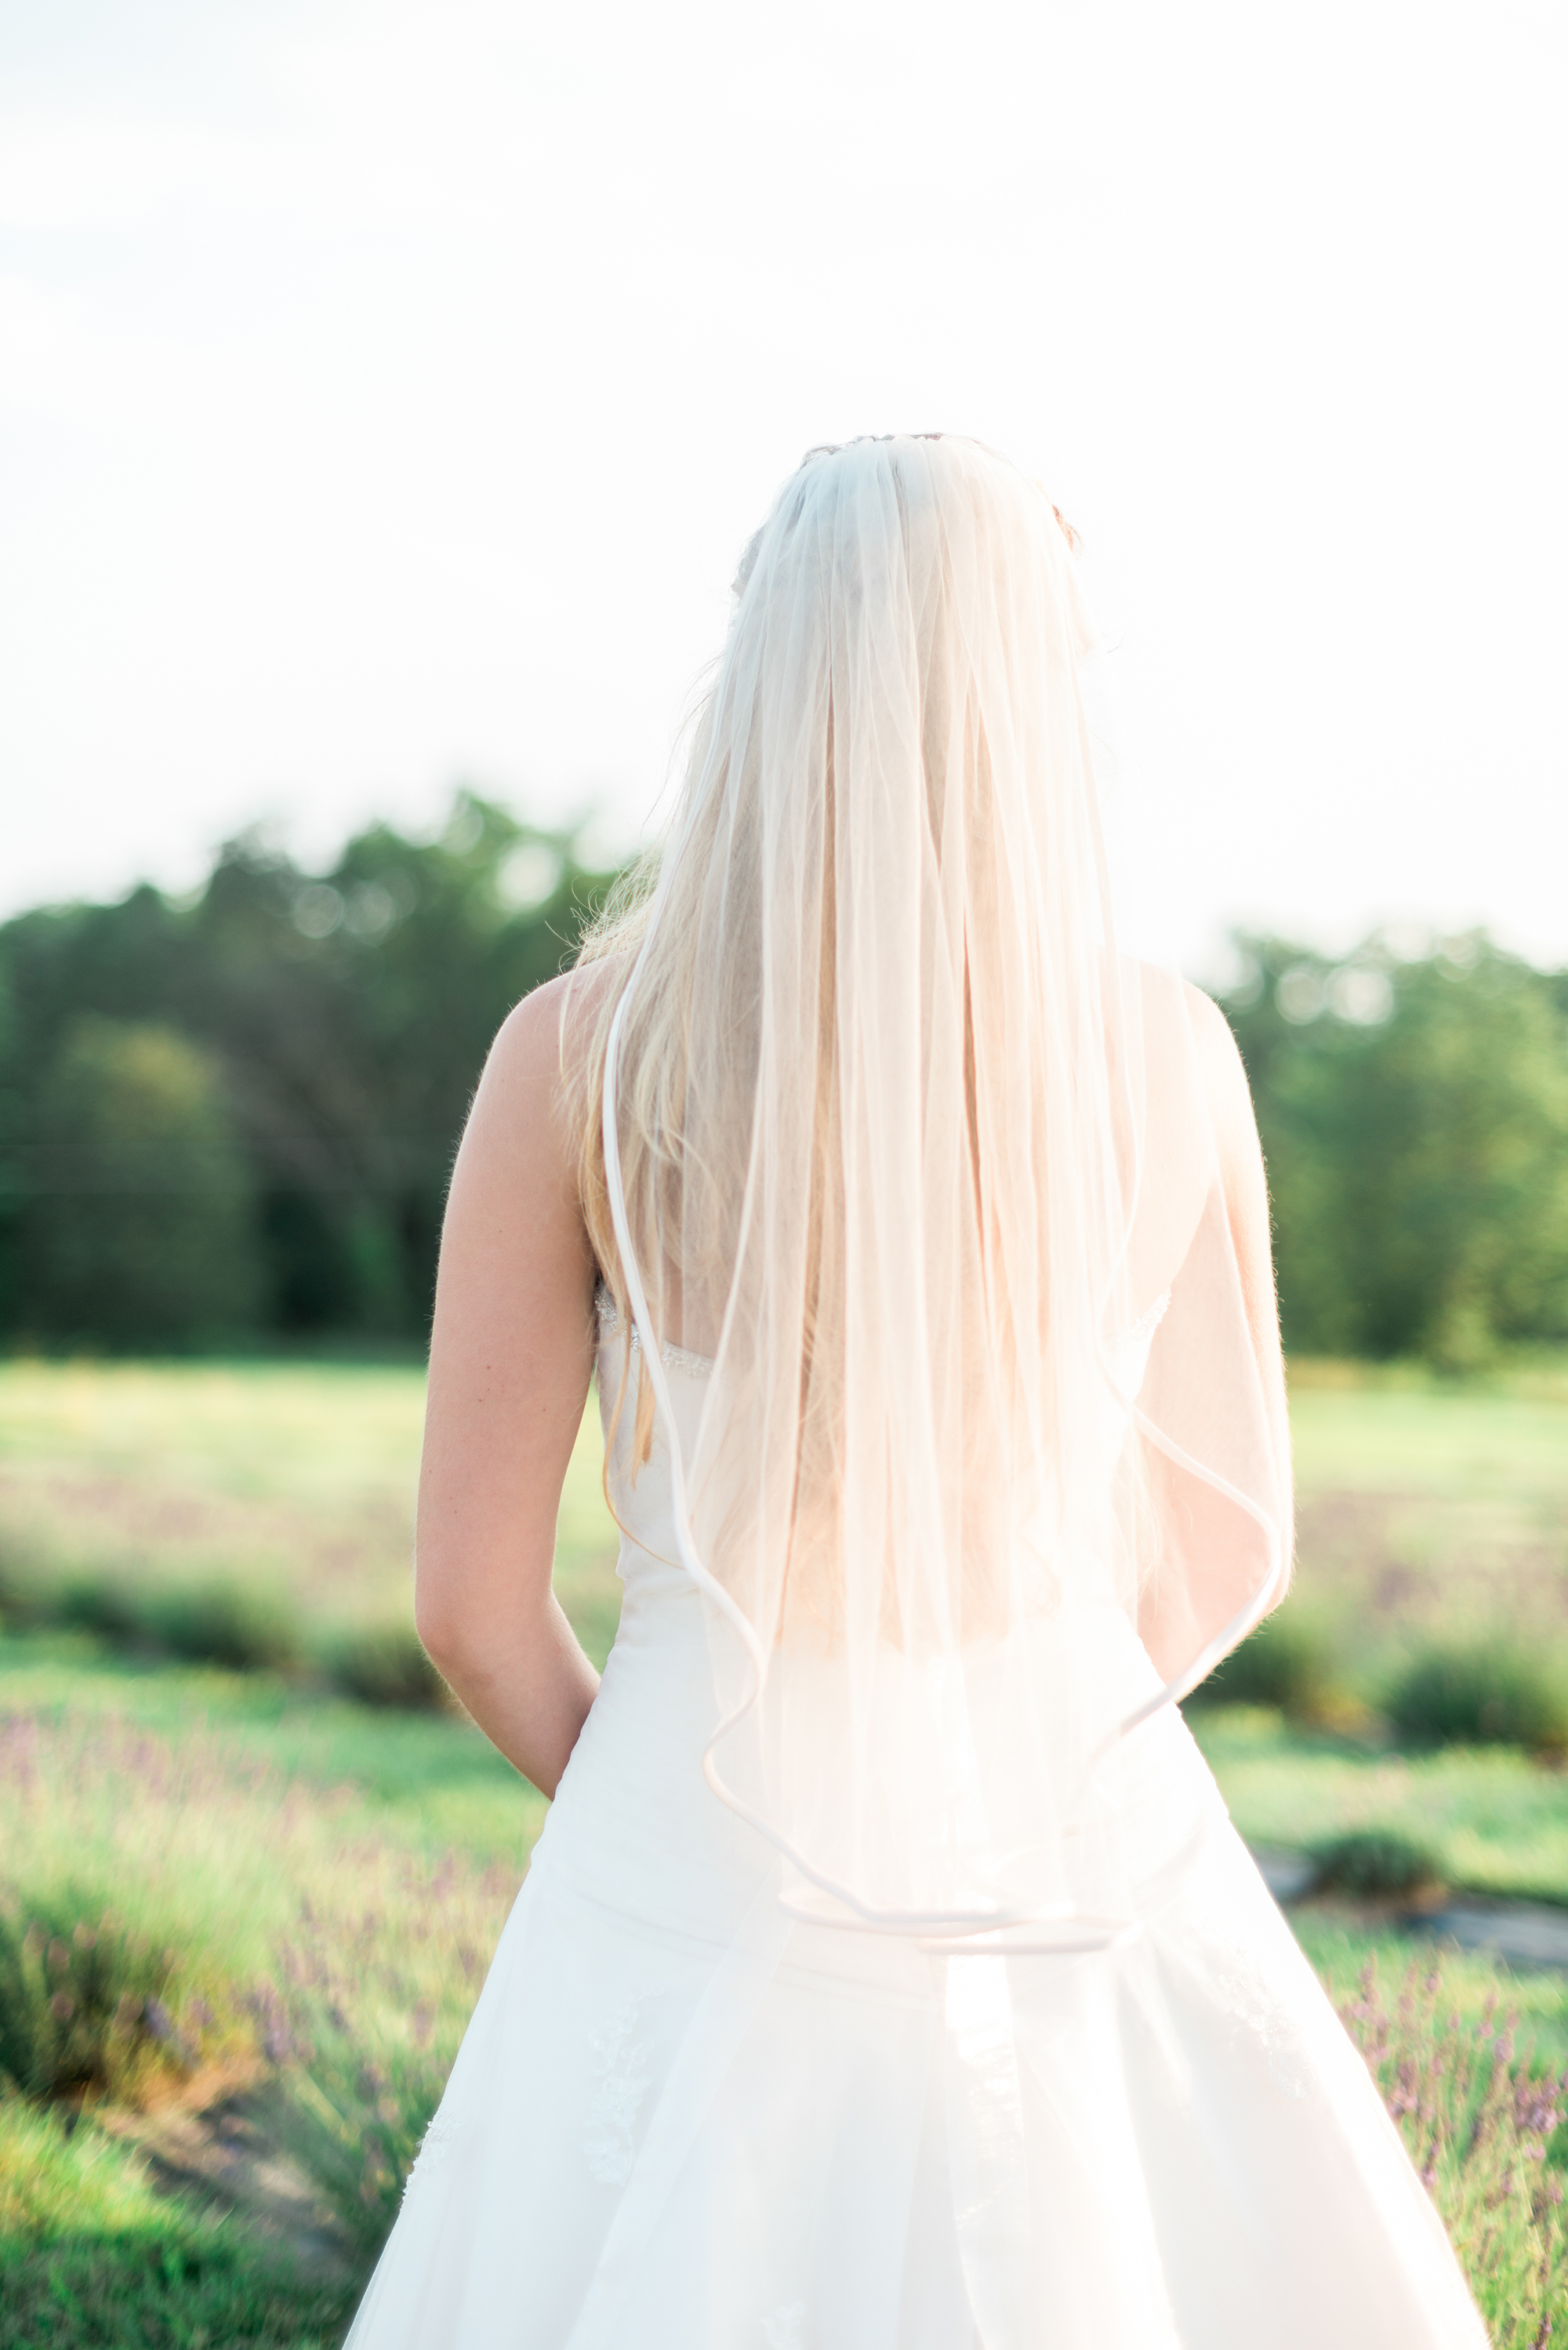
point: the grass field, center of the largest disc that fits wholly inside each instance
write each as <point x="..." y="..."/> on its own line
<point x="293" y="1482"/>
<point x="303" y="1891"/>
<point x="1424" y="1507"/>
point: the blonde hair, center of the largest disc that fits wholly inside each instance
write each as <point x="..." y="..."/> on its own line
<point x="862" y="1108"/>
<point x="608" y="948"/>
<point x="675" y="1183"/>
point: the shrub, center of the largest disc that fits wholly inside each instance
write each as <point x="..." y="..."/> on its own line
<point x="85" y="2006"/>
<point x="364" y="2017"/>
<point x="385" y="1664"/>
<point x="100" y="1604"/>
<point x="222" y="1624"/>
<point x="1374" y="1862"/>
<point x="1288" y="1662"/>
<point x="1489" y="1694"/>
<point x="1486" y="2133"/>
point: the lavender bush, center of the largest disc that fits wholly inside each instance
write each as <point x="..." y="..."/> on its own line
<point x="143" y="1887"/>
<point x="85" y="2004"/>
<point x="364" y="2011"/>
<point x="1485" y="2131"/>
<point x="258" y="1924"/>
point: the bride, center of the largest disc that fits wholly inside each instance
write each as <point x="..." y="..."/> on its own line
<point x="889" y="1975"/>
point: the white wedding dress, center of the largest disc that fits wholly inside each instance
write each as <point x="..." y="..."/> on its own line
<point x="680" y="2120"/>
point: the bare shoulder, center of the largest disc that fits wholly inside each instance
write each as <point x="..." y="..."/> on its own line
<point x="1220" y="1061"/>
<point x="526" y="1052"/>
<point x="519" y="1133"/>
<point x="1211" y="1033"/>
<point x="538" y="1049"/>
<point x="1191" y="1058"/>
<point x="547" y="1034"/>
<point x="1177" y="1017"/>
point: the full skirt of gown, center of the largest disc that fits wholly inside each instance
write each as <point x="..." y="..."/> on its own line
<point x="682" y="2120"/>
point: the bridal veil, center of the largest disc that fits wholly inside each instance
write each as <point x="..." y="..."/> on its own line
<point x="895" y="1136"/>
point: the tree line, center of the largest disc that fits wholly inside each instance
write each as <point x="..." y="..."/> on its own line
<point x="1413" y="1106"/>
<point x="230" y="1119"/>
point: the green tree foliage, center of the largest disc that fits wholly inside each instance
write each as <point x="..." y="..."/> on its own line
<point x="140" y="1231"/>
<point x="350" y="1013"/>
<point x="1414" y="1115"/>
<point x="330" y="1028"/>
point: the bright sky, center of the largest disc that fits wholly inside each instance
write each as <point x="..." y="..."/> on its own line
<point x="386" y="390"/>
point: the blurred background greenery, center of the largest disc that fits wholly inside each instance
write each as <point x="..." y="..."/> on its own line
<point x="1414" y="1110"/>
<point x="228" y="1120"/>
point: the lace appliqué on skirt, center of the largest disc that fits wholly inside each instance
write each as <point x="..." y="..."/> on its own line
<point x="436" y="2147"/>
<point x="1257" y="2009"/>
<point x="621" y="2064"/>
<point x="785" y="2329"/>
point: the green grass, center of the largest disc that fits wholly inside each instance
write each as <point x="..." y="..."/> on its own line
<point x="1496" y="1822"/>
<point x="428" y="1781"/>
<point x="292" y="1484"/>
<point x="1427" y="1510"/>
<point x="91" y="2254"/>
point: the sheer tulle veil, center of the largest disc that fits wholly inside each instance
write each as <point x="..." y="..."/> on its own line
<point x="884" y="1124"/>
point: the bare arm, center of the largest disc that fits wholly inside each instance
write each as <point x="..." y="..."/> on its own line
<point x="1247" y="1208"/>
<point x="511" y="1357"/>
<point x="1246" y="1194"/>
<point x="1211" y="1556"/>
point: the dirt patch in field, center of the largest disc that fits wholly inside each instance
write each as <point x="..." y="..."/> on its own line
<point x="221" y="2146"/>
